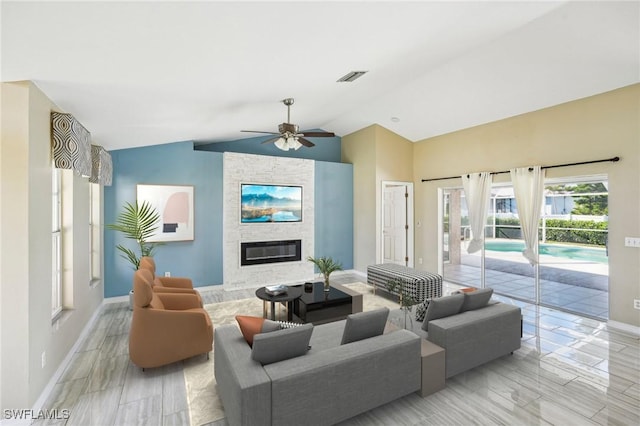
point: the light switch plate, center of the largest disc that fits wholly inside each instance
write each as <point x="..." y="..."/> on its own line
<point x="632" y="242"/>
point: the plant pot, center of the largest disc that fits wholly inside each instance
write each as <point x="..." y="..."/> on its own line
<point x="327" y="286"/>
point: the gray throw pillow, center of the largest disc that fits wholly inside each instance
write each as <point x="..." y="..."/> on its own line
<point x="364" y="325"/>
<point x="282" y="344"/>
<point x="476" y="299"/>
<point x="442" y="307"/>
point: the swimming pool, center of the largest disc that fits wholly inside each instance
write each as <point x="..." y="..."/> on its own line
<point x="591" y="254"/>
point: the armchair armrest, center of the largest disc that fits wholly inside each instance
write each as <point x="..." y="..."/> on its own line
<point x="178" y="301"/>
<point x="176" y="282"/>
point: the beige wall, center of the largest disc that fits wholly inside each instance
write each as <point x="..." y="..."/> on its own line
<point x="359" y="149"/>
<point x="25" y="245"/>
<point x="377" y="155"/>
<point x="593" y="128"/>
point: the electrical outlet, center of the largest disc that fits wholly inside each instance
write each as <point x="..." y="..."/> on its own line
<point x="420" y="260"/>
<point x="636" y="303"/>
<point x="167" y="274"/>
<point x="631" y="242"/>
<point x="44" y="359"/>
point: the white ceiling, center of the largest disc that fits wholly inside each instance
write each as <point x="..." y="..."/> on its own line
<point x="143" y="73"/>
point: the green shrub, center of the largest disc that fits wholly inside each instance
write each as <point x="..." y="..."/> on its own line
<point x="580" y="231"/>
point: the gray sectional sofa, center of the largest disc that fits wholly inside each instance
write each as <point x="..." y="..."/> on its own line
<point x="328" y="384"/>
<point x="473" y="333"/>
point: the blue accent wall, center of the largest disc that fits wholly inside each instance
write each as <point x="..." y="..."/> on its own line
<point x="173" y="164"/>
<point x="334" y="212"/>
<point x="201" y="260"/>
<point x="326" y="149"/>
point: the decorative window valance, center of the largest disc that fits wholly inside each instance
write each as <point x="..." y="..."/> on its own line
<point x="101" y="167"/>
<point x="72" y="149"/>
<point x="71" y="144"/>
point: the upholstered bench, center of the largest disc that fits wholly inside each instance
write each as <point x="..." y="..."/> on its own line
<point x="419" y="285"/>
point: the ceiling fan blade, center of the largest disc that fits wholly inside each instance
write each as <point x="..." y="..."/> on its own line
<point x="271" y="139"/>
<point x="318" y="134"/>
<point x="258" y="131"/>
<point x="306" y="142"/>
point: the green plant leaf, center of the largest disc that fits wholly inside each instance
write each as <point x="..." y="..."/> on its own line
<point x="139" y="223"/>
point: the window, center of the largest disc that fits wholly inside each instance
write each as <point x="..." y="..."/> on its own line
<point x="573" y="270"/>
<point x="56" y="243"/>
<point x="95" y="234"/>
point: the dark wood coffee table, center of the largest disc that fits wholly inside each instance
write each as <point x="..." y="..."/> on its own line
<point x="292" y="294"/>
<point x="318" y="306"/>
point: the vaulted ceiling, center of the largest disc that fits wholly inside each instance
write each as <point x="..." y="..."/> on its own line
<point x="143" y="73"/>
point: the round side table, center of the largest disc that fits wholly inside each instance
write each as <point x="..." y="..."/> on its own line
<point x="289" y="297"/>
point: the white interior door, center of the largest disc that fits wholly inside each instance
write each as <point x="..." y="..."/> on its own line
<point x="394" y="231"/>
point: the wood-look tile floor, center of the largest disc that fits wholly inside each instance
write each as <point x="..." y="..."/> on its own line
<point x="570" y="370"/>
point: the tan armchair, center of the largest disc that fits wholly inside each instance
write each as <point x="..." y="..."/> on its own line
<point x="166" y="327"/>
<point x="168" y="284"/>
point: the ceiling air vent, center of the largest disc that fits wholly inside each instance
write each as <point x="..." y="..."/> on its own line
<point x="353" y="75"/>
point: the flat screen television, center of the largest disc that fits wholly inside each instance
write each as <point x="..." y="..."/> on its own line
<point x="270" y="203"/>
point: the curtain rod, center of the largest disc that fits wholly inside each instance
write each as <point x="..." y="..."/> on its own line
<point x="614" y="159"/>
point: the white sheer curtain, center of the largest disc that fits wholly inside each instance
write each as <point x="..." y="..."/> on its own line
<point x="528" y="185"/>
<point x="477" y="190"/>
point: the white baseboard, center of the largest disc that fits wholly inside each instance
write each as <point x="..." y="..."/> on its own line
<point x="37" y="406"/>
<point x="624" y="327"/>
<point x="115" y="299"/>
<point x="360" y="274"/>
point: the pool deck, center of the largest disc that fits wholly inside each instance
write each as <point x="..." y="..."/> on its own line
<point x="581" y="287"/>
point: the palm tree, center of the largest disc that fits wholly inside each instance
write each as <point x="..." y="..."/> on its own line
<point x="326" y="265"/>
<point x="137" y="222"/>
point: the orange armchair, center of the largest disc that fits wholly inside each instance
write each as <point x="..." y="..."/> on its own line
<point x="167" y="284"/>
<point x="166" y="327"/>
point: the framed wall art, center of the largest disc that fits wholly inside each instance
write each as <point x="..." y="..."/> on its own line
<point x="174" y="204"/>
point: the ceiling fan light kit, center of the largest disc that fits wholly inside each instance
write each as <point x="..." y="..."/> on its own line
<point x="288" y="143"/>
<point x="289" y="136"/>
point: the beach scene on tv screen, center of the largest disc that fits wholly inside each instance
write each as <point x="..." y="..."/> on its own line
<point x="271" y="203"/>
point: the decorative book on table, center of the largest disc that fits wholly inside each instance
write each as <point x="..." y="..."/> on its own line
<point x="275" y="290"/>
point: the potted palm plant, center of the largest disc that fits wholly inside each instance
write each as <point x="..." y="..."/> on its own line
<point x="137" y="222"/>
<point x="326" y="266"/>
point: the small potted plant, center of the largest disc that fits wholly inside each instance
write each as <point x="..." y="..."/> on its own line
<point x="326" y="266"/>
<point x="405" y="300"/>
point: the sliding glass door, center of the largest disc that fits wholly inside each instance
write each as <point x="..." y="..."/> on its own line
<point x="573" y="271"/>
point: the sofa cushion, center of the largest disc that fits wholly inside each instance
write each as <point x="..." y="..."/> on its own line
<point x="364" y="325"/>
<point x="476" y="299"/>
<point x="281" y="344"/>
<point x="250" y="326"/>
<point x="442" y="307"/>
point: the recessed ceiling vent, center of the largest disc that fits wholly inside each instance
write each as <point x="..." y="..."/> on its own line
<point x="352" y="76"/>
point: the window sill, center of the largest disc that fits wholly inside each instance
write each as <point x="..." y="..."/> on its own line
<point x="61" y="318"/>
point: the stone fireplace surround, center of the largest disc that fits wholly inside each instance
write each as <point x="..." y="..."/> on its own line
<point x="258" y="169"/>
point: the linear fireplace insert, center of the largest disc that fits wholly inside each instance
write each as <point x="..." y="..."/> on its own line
<point x="260" y="252"/>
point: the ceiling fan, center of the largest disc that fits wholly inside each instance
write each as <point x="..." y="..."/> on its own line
<point x="289" y="136"/>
